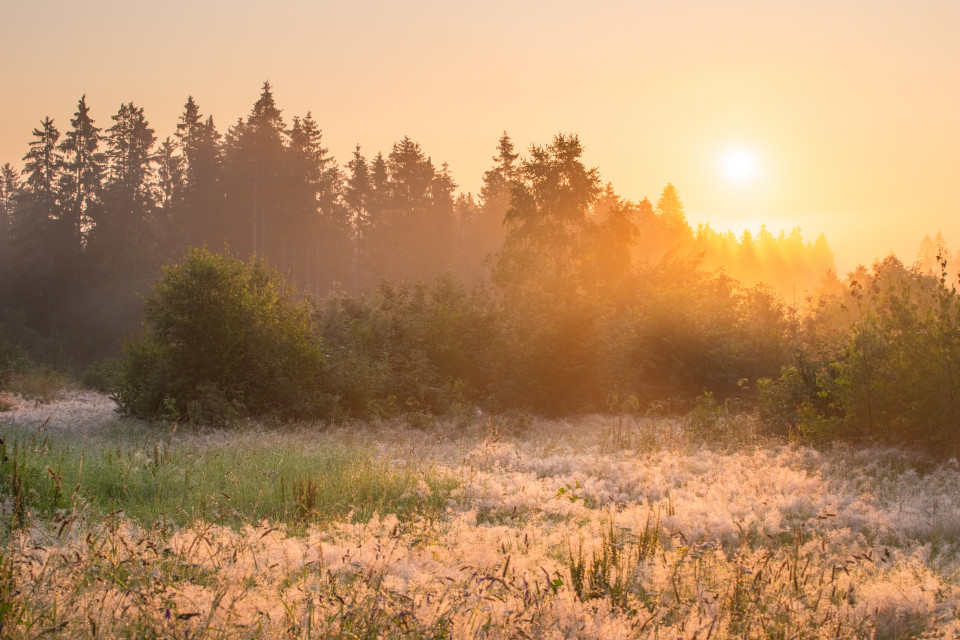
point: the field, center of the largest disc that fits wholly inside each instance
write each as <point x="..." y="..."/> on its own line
<point x="594" y="527"/>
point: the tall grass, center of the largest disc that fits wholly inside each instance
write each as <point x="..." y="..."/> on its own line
<point x="588" y="528"/>
<point x="180" y="479"/>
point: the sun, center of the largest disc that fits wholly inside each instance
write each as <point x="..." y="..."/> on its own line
<point x="739" y="164"/>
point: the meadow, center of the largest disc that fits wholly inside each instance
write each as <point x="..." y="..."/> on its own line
<point x="474" y="526"/>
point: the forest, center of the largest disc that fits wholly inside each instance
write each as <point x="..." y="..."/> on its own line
<point x="211" y="275"/>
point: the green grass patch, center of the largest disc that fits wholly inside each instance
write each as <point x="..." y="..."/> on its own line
<point x="234" y="479"/>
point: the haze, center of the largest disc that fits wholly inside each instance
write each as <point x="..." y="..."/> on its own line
<point x="850" y="108"/>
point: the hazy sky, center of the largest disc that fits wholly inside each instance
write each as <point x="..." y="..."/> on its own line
<point x="851" y="109"/>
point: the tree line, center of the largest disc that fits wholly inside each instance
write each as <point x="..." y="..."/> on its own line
<point x="96" y="210"/>
<point x="373" y="288"/>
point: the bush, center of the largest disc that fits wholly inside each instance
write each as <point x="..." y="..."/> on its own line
<point x="224" y="337"/>
<point x="899" y="378"/>
<point x="102" y="376"/>
<point x="408" y="347"/>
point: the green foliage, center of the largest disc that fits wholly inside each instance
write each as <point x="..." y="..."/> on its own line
<point x="222" y="334"/>
<point x="611" y="570"/>
<point x="102" y="376"/>
<point x="412" y="347"/>
<point x="175" y="478"/>
<point x="899" y="378"/>
<point x="893" y="374"/>
<point x="12" y="360"/>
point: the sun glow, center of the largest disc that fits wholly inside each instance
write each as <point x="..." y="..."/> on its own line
<point x="739" y="164"/>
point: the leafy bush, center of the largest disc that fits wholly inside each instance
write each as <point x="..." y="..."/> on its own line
<point x="892" y="374"/>
<point x="899" y="378"/>
<point x="102" y="376"/>
<point x="408" y="347"/>
<point x="224" y="337"/>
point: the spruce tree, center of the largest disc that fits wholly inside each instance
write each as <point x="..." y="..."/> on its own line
<point x="316" y="224"/>
<point x="9" y="192"/>
<point x="672" y="215"/>
<point x="420" y="215"/>
<point x="43" y="163"/>
<point x="357" y="195"/>
<point x="35" y="254"/>
<point x="9" y="188"/>
<point x="375" y="230"/>
<point x="487" y="230"/>
<point x="255" y="159"/>
<point x="171" y="187"/>
<point x="122" y="235"/>
<point x="82" y="175"/>
<point x="549" y="214"/>
<point x="201" y="219"/>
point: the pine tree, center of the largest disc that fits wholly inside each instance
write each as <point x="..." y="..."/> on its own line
<point x="31" y="282"/>
<point x="316" y="222"/>
<point x="122" y="235"/>
<point x="549" y="215"/>
<point x="43" y="163"/>
<point x="82" y="176"/>
<point x="255" y="154"/>
<point x="9" y="192"/>
<point x="9" y="189"/>
<point x="486" y="229"/>
<point x="672" y="215"/>
<point x="358" y="191"/>
<point x="201" y="217"/>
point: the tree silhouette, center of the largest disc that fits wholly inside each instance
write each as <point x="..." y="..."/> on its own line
<point x="81" y="179"/>
<point x="201" y="219"/>
<point x="121" y="236"/>
<point x="550" y="204"/>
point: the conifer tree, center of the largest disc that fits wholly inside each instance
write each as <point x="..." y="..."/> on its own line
<point x="357" y="196"/>
<point x="201" y="217"/>
<point x="420" y="212"/>
<point x="255" y="159"/>
<point x="171" y="187"/>
<point x="9" y="191"/>
<point x="43" y="163"/>
<point x="82" y="175"/>
<point x="551" y="201"/>
<point x="376" y="237"/>
<point x="317" y="221"/>
<point x="471" y="249"/>
<point x="35" y="258"/>
<point x="486" y="230"/>
<point x="122" y="234"/>
<point x="672" y="214"/>
<point x="498" y="183"/>
<point x="9" y="188"/>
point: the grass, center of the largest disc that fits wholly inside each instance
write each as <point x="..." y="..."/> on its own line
<point x="42" y="384"/>
<point x="595" y="527"/>
<point x="241" y="478"/>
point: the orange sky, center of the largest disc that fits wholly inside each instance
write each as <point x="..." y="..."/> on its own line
<point x="852" y="108"/>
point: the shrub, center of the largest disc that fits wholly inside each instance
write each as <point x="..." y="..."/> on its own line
<point x="222" y="333"/>
<point x="102" y="376"/>
<point x="414" y="347"/>
<point x="12" y="360"/>
<point x="899" y="378"/>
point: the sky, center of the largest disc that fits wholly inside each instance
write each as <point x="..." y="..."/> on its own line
<point x="849" y="111"/>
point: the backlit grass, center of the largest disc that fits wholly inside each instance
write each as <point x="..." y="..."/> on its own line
<point x="244" y="477"/>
